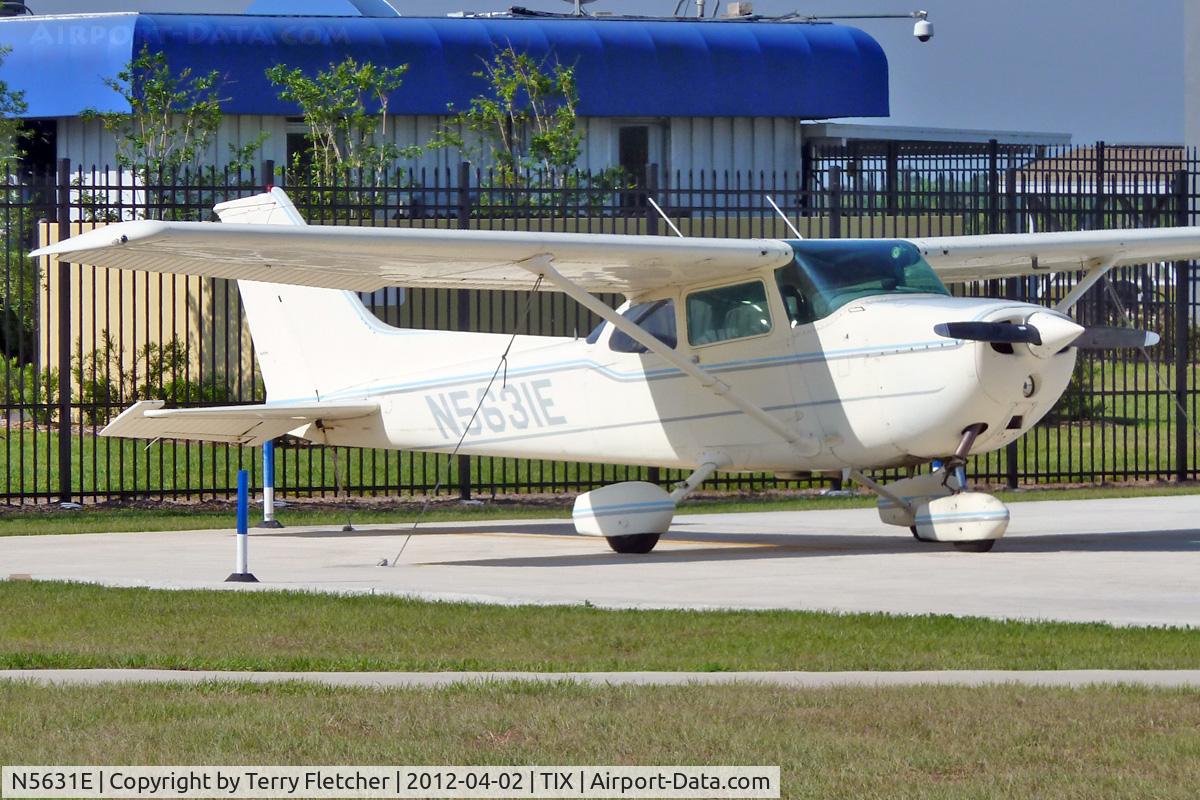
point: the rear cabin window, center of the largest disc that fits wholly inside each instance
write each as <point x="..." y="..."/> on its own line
<point x="656" y="317"/>
<point x="730" y="312"/>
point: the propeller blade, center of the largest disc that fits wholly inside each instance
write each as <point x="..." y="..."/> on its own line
<point x="995" y="332"/>
<point x="1101" y="337"/>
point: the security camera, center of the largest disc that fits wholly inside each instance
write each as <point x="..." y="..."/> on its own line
<point x="923" y="29"/>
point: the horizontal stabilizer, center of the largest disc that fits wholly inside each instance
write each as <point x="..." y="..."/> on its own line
<point x="248" y="425"/>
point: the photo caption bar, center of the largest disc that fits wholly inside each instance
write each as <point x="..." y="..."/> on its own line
<point x="251" y="782"/>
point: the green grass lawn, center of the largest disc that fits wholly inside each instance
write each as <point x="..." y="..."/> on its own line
<point x="29" y="521"/>
<point x="941" y="742"/>
<point x="44" y="625"/>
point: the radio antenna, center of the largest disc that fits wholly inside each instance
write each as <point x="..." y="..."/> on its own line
<point x="783" y="216"/>
<point x="663" y="214"/>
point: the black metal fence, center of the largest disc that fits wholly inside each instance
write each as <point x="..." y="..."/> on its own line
<point x="79" y="344"/>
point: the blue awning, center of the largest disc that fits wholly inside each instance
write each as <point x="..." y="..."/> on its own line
<point x="625" y="68"/>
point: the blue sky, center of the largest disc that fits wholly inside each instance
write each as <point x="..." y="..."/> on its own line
<point x="1110" y="69"/>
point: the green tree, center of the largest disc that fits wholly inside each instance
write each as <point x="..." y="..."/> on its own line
<point x="527" y="120"/>
<point x="12" y="105"/>
<point x="344" y="137"/>
<point x="172" y="120"/>
<point x="18" y="284"/>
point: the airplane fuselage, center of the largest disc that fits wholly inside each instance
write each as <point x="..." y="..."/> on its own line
<point x="869" y="385"/>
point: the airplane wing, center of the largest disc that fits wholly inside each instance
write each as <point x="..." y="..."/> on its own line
<point x="1004" y="255"/>
<point x="365" y="259"/>
<point x="248" y="425"/>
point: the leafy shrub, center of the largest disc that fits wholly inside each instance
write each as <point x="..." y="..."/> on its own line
<point x="158" y="372"/>
<point x="24" y="385"/>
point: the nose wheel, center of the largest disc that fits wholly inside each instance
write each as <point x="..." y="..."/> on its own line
<point x="639" y="543"/>
<point x="980" y="546"/>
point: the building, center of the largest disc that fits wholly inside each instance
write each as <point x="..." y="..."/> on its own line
<point x="684" y="94"/>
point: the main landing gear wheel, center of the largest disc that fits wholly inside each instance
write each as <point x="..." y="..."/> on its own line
<point x="981" y="546"/>
<point x="639" y="543"/>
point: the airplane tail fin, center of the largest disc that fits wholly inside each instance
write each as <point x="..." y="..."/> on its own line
<point x="306" y="339"/>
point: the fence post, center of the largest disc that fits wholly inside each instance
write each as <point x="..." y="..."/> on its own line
<point x="650" y="189"/>
<point x="807" y="187"/>
<point x="64" y="335"/>
<point x="1016" y="290"/>
<point x="993" y="186"/>
<point x="1183" y="330"/>
<point x="463" y="296"/>
<point x="893" y="181"/>
<point x="835" y="202"/>
<point x="835" y="232"/>
<point x="268" y="174"/>
<point x="653" y="475"/>
<point x="1101" y="200"/>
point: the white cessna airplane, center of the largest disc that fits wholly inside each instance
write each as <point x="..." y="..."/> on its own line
<point x="734" y="355"/>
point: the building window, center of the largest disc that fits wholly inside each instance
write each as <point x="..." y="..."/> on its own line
<point x="39" y="145"/>
<point x="634" y="151"/>
<point x="299" y="151"/>
<point x="633" y="154"/>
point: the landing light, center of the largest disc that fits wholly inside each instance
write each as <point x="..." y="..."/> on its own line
<point x="1029" y="386"/>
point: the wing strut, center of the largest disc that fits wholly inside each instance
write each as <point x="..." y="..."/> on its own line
<point x="1095" y="272"/>
<point x="544" y="265"/>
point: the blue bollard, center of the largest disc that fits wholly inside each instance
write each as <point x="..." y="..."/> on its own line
<point x="268" y="520"/>
<point x="241" y="573"/>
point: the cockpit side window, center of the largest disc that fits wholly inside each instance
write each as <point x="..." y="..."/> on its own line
<point x="728" y="312"/>
<point x="657" y="317"/>
<point x="795" y="289"/>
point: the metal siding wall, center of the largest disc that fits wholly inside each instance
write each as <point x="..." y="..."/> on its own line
<point x="787" y="142"/>
<point x="763" y="144"/>
<point x="741" y="144"/>
<point x="599" y="145"/>
<point x="694" y="143"/>
<point x="702" y="146"/>
<point x="765" y="158"/>
<point x="86" y="142"/>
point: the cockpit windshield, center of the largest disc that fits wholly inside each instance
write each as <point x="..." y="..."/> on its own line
<point x="828" y="274"/>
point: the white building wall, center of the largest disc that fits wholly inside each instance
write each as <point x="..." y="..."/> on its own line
<point x="679" y="144"/>
<point x="759" y="144"/>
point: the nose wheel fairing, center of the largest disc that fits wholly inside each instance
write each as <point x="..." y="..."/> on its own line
<point x="936" y="507"/>
<point x="959" y="518"/>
